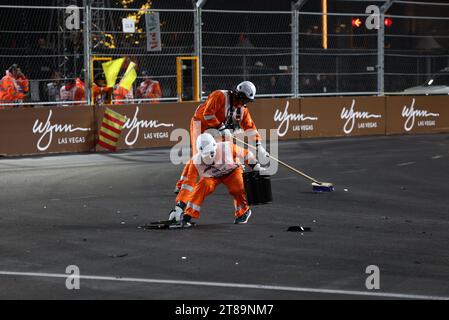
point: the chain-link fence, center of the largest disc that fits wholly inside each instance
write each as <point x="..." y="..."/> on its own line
<point x="341" y="60"/>
<point x="43" y="48"/>
<point x="285" y="53"/>
<point x="236" y="46"/>
<point x="416" y="46"/>
<point x="108" y="39"/>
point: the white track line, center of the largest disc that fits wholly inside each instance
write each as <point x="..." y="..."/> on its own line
<point x="230" y="285"/>
<point x="354" y="171"/>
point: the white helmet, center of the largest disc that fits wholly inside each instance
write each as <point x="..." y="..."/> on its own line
<point x="248" y="89"/>
<point x="206" y="146"/>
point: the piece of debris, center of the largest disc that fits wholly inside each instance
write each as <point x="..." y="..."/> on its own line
<point x="165" y="224"/>
<point x="184" y="258"/>
<point x="299" y="229"/>
<point x="122" y="255"/>
<point x="345" y="190"/>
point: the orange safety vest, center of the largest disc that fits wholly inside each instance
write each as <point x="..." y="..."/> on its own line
<point x="101" y="95"/>
<point x="122" y="94"/>
<point x="23" y="83"/>
<point x="72" y="93"/>
<point x="216" y="110"/>
<point x="227" y="158"/>
<point x="79" y="83"/>
<point x="150" y="89"/>
<point x="10" y="90"/>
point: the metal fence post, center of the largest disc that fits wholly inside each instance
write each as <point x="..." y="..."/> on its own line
<point x="380" y="56"/>
<point x="87" y="50"/>
<point x="295" y="50"/>
<point x="198" y="41"/>
<point x="296" y="6"/>
<point x="381" y="48"/>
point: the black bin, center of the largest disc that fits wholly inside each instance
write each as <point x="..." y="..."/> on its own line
<point x="257" y="187"/>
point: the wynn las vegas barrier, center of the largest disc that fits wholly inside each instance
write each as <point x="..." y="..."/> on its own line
<point x="347" y="116"/>
<point x="25" y="131"/>
<point x="357" y="116"/>
<point x="150" y="126"/>
<point x="29" y="131"/>
<point x="420" y="114"/>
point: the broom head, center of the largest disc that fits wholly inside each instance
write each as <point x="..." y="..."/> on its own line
<point x="322" y="187"/>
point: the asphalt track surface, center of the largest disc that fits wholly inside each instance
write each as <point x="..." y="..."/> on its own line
<point x="390" y="209"/>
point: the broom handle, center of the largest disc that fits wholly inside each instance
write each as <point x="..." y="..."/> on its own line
<point x="279" y="161"/>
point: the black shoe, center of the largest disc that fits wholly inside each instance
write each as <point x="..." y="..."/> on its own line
<point x="243" y="218"/>
<point x="183" y="224"/>
<point x="186" y="218"/>
<point x="186" y="221"/>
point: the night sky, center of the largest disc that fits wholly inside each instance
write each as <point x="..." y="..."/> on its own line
<point x="280" y="5"/>
<point x="353" y="6"/>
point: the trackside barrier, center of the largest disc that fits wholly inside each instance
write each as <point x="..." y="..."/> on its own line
<point x="421" y="114"/>
<point x="44" y="130"/>
<point x="25" y="131"/>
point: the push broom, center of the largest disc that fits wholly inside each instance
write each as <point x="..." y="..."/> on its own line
<point x="316" y="185"/>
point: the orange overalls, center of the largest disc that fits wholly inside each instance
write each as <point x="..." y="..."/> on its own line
<point x="149" y="89"/>
<point x="10" y="89"/>
<point x="225" y="169"/>
<point x="79" y="83"/>
<point x="23" y="84"/>
<point x="72" y="92"/>
<point x="214" y="111"/>
<point x="101" y="95"/>
<point x="121" y="95"/>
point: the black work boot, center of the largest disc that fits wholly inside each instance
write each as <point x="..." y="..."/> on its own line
<point x="243" y="218"/>
<point x="186" y="221"/>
